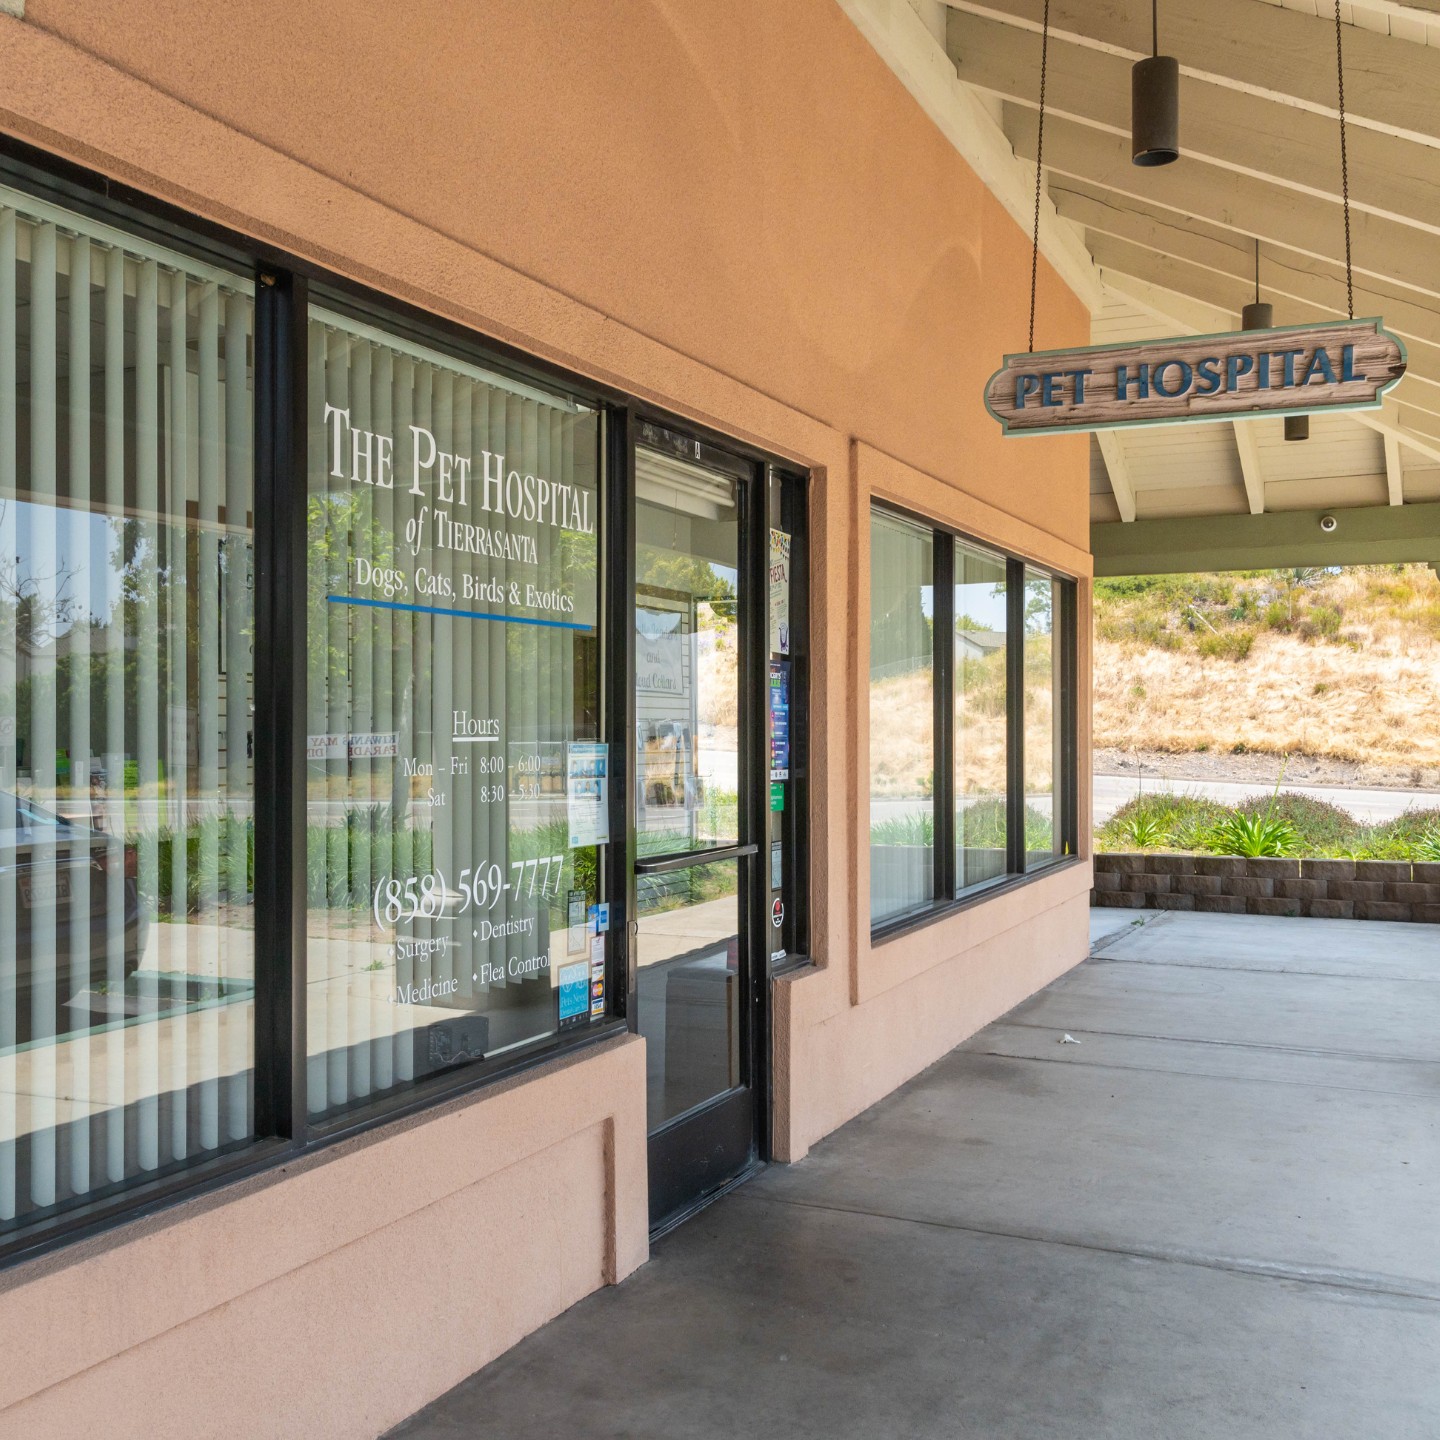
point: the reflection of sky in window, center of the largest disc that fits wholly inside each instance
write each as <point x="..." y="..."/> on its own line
<point x="983" y="602"/>
<point x="66" y="564"/>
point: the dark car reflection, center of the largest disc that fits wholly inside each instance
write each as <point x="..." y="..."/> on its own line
<point x="63" y="960"/>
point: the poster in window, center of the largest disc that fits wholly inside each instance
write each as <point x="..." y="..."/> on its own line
<point x="779" y="593"/>
<point x="779" y="719"/>
<point x="587" y="793"/>
<point x="659" y="651"/>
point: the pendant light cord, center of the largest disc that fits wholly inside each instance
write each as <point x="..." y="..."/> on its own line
<point x="1039" y="171"/>
<point x="1344" y="160"/>
<point x="1154" y="27"/>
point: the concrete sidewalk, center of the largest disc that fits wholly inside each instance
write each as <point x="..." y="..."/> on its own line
<point x="1217" y="1215"/>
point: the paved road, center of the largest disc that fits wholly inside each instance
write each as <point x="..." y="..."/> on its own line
<point x="1213" y="1218"/>
<point x="1112" y="791"/>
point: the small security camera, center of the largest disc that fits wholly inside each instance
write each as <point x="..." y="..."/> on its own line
<point x="1329" y="524"/>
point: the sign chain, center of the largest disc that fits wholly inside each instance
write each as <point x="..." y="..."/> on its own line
<point x="1039" y="171"/>
<point x="1344" y="159"/>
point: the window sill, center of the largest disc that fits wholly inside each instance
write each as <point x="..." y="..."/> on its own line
<point x="944" y="909"/>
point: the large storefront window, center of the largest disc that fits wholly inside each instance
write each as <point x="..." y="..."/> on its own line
<point x="1042" y="717"/>
<point x="981" y="692"/>
<point x="126" y="799"/>
<point x="902" y="716"/>
<point x="969" y="782"/>
<point x="415" y="720"/>
<point x="458" y="792"/>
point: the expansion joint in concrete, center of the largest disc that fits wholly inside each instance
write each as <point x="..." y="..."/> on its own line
<point x="1397" y="1287"/>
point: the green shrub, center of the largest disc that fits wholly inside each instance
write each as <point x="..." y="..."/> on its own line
<point x="1147" y="832"/>
<point x="1323" y="828"/>
<point x="1253" y="836"/>
<point x="1427" y="847"/>
<point x="1226" y="644"/>
<point x="1278" y="617"/>
<point x="1321" y="622"/>
<point x="215" y="851"/>
<point x="1180" y="819"/>
<point x="904" y="830"/>
<point x="1397" y="839"/>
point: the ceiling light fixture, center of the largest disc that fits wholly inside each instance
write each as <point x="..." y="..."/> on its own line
<point x="1155" y="103"/>
<point x="1258" y="314"/>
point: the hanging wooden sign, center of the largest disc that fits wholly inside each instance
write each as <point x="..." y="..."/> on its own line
<point x="1294" y="370"/>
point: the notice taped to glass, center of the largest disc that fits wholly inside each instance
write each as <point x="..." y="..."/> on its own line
<point x="779" y="719"/>
<point x="587" y="793"/>
<point x="779" y="593"/>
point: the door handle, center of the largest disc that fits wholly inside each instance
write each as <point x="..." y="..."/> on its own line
<point x="659" y="864"/>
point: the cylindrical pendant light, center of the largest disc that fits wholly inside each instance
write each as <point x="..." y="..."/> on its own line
<point x="1258" y="314"/>
<point x="1155" y="103"/>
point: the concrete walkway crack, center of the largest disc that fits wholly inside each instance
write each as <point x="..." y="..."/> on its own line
<point x="1360" y="1281"/>
<point x="1092" y="1064"/>
<point x="1319" y="1051"/>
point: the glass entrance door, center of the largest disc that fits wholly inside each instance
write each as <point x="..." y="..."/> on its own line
<point x="697" y="763"/>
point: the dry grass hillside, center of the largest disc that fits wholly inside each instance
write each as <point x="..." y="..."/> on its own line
<point x="902" y="727"/>
<point x="1343" y="666"/>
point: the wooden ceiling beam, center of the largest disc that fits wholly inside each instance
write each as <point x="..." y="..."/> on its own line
<point x="1119" y="259"/>
<point x="1301" y="288"/>
<point x="1283" y="271"/>
<point x="1263" y="50"/>
<point x="1184" y="314"/>
<point x="1249" y="450"/>
<point x="1417" y="12"/>
<point x="1117" y="466"/>
<point x="1265" y="139"/>
<point x="1394" y="469"/>
<point x="1406" y="426"/>
<point x="1240" y="203"/>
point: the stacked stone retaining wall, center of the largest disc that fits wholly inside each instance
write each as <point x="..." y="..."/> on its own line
<point x="1233" y="885"/>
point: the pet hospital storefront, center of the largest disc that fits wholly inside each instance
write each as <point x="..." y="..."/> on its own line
<point x="493" y="746"/>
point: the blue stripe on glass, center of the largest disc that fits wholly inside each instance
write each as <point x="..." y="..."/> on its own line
<point x="460" y="614"/>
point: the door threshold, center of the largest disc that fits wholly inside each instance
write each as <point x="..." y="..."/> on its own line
<point x="691" y="1210"/>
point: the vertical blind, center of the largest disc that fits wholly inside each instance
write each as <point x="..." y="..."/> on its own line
<point x="126" y="858"/>
<point x="403" y="807"/>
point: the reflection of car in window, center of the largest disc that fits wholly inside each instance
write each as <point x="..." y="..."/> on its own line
<point x="50" y="858"/>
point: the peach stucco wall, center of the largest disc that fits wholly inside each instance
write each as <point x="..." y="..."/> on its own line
<point x="734" y="211"/>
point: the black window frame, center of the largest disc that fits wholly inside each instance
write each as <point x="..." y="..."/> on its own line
<point x="946" y="897"/>
<point x="283" y="1131"/>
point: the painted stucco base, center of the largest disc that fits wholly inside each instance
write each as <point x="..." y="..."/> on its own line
<point x="335" y="1296"/>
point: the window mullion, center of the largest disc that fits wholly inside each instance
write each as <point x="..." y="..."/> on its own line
<point x="1066" y="786"/>
<point x="280" y="677"/>
<point x="944" y="698"/>
<point x="1015" y="717"/>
